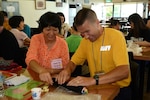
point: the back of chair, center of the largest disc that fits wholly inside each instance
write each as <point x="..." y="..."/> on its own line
<point x="134" y="77"/>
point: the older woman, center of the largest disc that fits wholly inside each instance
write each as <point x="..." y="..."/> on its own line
<point x="48" y="54"/>
<point x="65" y="28"/>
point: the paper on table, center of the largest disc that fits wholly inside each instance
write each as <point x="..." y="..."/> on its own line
<point x="135" y="48"/>
<point x="64" y="96"/>
<point x="17" y="80"/>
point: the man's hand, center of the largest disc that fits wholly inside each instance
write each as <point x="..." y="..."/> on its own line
<point x="63" y="76"/>
<point x="82" y="81"/>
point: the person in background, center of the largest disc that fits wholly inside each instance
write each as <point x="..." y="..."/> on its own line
<point x="138" y="27"/>
<point x="148" y="5"/>
<point x="139" y="30"/>
<point x="6" y="23"/>
<point x="147" y="22"/>
<point x="48" y="53"/>
<point x="100" y="48"/>
<point x="65" y="28"/>
<point x="8" y="44"/>
<point x="73" y="40"/>
<point x="145" y="45"/>
<point x="27" y="30"/>
<point x="17" y="24"/>
<point x="114" y="24"/>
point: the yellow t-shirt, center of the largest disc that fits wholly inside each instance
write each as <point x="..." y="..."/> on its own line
<point x="110" y="49"/>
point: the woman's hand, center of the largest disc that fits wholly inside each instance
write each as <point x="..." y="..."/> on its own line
<point x="146" y="49"/>
<point x="45" y="76"/>
<point x="27" y="42"/>
<point x="143" y="43"/>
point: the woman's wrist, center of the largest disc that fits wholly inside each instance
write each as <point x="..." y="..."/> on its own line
<point x="42" y="71"/>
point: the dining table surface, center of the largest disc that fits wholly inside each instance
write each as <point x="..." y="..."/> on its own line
<point x="107" y="92"/>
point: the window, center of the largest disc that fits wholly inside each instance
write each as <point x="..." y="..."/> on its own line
<point x="105" y="11"/>
<point x="108" y="10"/>
<point x="117" y="10"/>
<point x="127" y="9"/>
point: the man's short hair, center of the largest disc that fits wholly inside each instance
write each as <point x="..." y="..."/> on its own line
<point x="84" y="14"/>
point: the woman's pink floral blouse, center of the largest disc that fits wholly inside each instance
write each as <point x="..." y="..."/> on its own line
<point x="38" y="51"/>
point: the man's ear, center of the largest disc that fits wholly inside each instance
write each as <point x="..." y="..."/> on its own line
<point x="97" y="21"/>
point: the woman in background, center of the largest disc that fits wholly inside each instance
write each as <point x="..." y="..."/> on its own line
<point x="65" y="28"/>
<point x="17" y="24"/>
<point x="139" y="30"/>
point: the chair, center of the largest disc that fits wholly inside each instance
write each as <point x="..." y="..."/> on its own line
<point x="148" y="77"/>
<point x="134" y="77"/>
<point x="34" y="31"/>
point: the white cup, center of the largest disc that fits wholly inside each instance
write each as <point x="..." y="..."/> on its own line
<point x="36" y="93"/>
<point x="140" y="39"/>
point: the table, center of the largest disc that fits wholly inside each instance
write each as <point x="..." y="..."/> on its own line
<point x="143" y="58"/>
<point x="107" y="91"/>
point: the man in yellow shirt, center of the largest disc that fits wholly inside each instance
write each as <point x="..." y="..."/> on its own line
<point x="106" y="53"/>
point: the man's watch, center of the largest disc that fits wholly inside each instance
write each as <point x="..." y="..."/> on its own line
<point x="96" y="77"/>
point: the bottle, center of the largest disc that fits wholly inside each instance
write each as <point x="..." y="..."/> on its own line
<point x="1" y="85"/>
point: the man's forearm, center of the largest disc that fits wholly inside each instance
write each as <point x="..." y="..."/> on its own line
<point x="71" y="66"/>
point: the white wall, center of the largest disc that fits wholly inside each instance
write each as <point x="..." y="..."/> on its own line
<point x="31" y="15"/>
